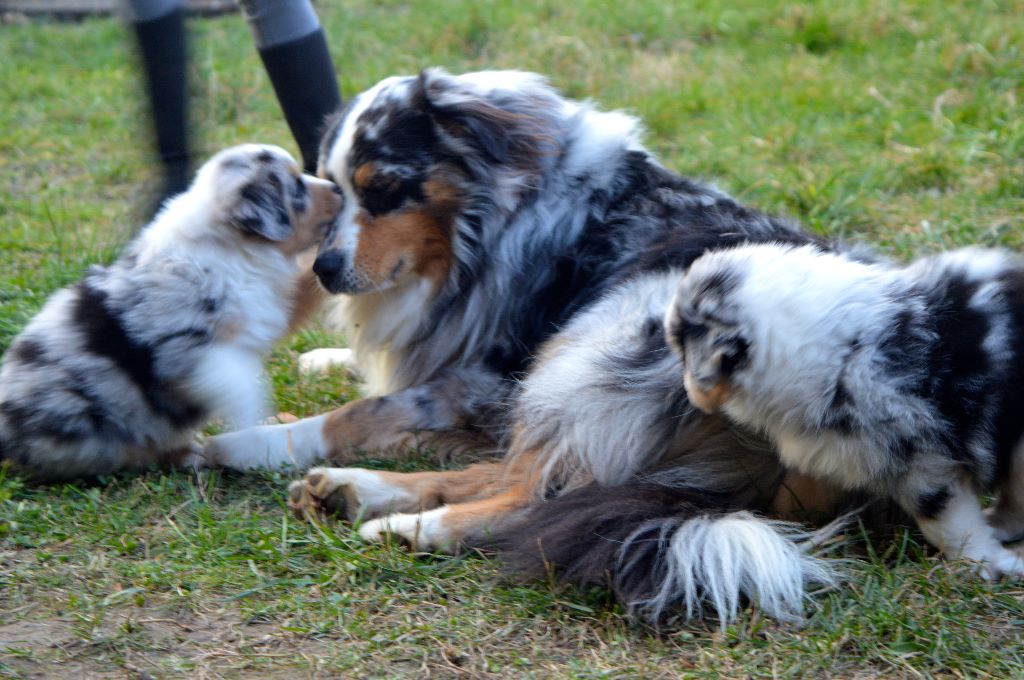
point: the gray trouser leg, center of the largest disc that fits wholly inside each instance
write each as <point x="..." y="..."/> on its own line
<point x="274" y="22"/>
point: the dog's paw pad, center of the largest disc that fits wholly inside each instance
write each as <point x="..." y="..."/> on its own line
<point x="319" y="494"/>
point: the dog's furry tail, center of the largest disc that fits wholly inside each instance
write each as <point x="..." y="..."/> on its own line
<point x="670" y="551"/>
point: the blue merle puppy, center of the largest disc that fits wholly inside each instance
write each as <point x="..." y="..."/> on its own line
<point x="119" y="370"/>
<point x="905" y="382"/>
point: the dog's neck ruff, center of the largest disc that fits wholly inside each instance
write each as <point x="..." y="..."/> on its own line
<point x="506" y="256"/>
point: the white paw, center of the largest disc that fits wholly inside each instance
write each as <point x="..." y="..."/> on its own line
<point x="355" y="492"/>
<point x="999" y="563"/>
<point x="424" y="531"/>
<point x="268" y="446"/>
<point x="324" y="359"/>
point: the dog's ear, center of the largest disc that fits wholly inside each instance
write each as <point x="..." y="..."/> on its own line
<point x="258" y="206"/>
<point x="509" y="128"/>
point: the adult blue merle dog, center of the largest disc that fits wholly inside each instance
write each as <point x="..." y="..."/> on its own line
<point x="502" y="263"/>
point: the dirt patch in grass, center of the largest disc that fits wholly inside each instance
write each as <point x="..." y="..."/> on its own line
<point x="151" y="642"/>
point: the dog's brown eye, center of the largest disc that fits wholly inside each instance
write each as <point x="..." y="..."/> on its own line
<point x="388" y="191"/>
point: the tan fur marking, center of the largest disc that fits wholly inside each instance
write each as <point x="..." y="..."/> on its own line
<point x="551" y="349"/>
<point x="443" y="197"/>
<point x="363" y="176"/>
<point x="707" y="401"/>
<point x="307" y="227"/>
<point x="393" y="245"/>
<point x="801" y="495"/>
<point x="349" y="427"/>
<point x="476" y="517"/>
<point x="477" y="482"/>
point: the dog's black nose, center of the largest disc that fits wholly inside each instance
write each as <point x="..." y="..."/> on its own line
<point x="328" y="265"/>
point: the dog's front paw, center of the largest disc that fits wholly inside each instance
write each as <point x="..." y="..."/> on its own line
<point x="268" y="446"/>
<point x="353" y="492"/>
<point x="323" y="492"/>
<point x="424" y="531"/>
<point x="248" y="449"/>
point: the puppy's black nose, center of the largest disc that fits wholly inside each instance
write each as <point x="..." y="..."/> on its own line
<point x="327" y="265"/>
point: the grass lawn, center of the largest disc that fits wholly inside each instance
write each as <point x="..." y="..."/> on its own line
<point x="899" y="124"/>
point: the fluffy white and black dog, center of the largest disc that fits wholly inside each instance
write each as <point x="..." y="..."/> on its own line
<point x="503" y="262"/>
<point x="119" y="370"/>
<point x="904" y="382"/>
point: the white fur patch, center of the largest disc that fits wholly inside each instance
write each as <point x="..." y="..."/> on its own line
<point x="269" y="446"/>
<point x="324" y="359"/>
<point x="718" y="561"/>
<point x="961" y="531"/>
<point x="425" y="531"/>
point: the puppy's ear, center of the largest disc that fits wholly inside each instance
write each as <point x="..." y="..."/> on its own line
<point x="259" y="207"/>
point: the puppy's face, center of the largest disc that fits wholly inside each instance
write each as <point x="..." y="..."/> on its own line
<point x="703" y="327"/>
<point x="260" y="193"/>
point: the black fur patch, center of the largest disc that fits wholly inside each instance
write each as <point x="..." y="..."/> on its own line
<point x="734" y="356"/>
<point x="106" y="336"/>
<point x="930" y="505"/>
<point x="960" y="380"/>
<point x="902" y="448"/>
<point x="300" y="196"/>
<point x="408" y="137"/>
<point x="580" y="536"/>
<point x="193" y="336"/>
<point x="387" y="193"/>
<point x="651" y="349"/>
<point x="1008" y="426"/>
<point x="26" y="351"/>
<point x="838" y="414"/>
<point x="685" y="328"/>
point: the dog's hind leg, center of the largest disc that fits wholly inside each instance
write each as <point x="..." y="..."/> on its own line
<point x="427" y="412"/>
<point x="364" y="494"/>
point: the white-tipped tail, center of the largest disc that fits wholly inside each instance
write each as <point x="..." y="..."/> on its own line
<point x="720" y="561"/>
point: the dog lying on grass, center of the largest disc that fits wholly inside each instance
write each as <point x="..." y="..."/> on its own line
<point x="901" y="382"/>
<point x="119" y="370"/>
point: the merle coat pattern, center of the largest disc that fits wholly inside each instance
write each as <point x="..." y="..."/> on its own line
<point x="503" y="263"/>
<point x="904" y="382"/>
<point x="119" y="370"/>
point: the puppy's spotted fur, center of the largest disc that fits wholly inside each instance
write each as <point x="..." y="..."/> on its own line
<point x="903" y="382"/>
<point x="119" y="370"/>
